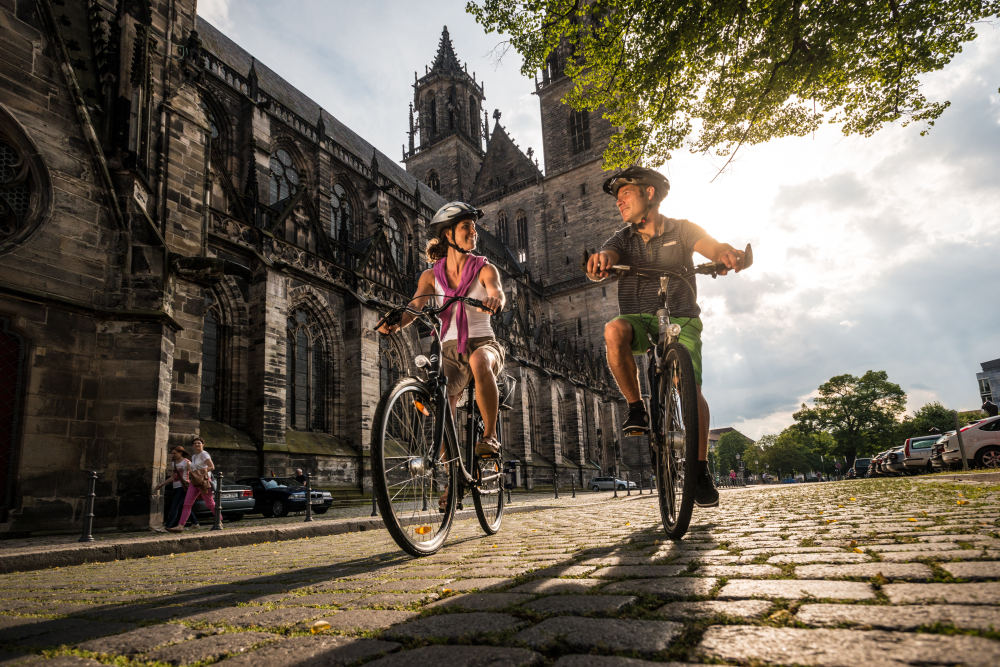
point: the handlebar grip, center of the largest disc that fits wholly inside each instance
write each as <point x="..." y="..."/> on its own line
<point x="476" y="303"/>
<point x="390" y="318"/>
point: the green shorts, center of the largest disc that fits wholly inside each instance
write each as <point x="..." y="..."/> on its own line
<point x="646" y="330"/>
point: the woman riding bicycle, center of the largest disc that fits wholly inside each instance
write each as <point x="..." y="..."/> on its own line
<point x="469" y="347"/>
<point x="654" y="241"/>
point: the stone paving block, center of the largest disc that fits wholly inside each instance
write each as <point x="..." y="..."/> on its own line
<point x="844" y="647"/>
<point x="865" y="570"/>
<point x="56" y="632"/>
<point x="580" y="604"/>
<point x="973" y="593"/>
<point x="736" y="608"/>
<point x="483" y="601"/>
<point x="901" y="617"/>
<point x="801" y="559"/>
<point x="57" y="661"/>
<point x="139" y="640"/>
<point x="942" y="555"/>
<point x="455" y="627"/>
<point x="323" y="599"/>
<point x="313" y="650"/>
<point x="461" y="656"/>
<point x="793" y="550"/>
<point x="610" y="661"/>
<point x="564" y="571"/>
<point x="909" y="546"/>
<point x="636" y="571"/>
<point x="409" y="585"/>
<point x="797" y="588"/>
<point x="283" y="617"/>
<point x="361" y="620"/>
<point x="982" y="569"/>
<point x="383" y="600"/>
<point x="619" y="560"/>
<point x="476" y="583"/>
<point x="734" y="571"/>
<point x="676" y="587"/>
<point x="557" y="586"/>
<point x="606" y="634"/>
<point x="208" y="648"/>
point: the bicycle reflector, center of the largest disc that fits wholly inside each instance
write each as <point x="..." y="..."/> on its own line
<point x="422" y="530"/>
<point x="422" y="408"/>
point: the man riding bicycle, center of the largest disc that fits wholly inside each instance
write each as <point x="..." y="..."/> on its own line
<point x="655" y="242"/>
<point x="469" y="348"/>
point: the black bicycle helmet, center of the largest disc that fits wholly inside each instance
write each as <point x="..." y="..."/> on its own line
<point x="451" y="213"/>
<point x="640" y="176"/>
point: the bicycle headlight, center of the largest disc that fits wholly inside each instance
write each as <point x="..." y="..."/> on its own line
<point x="421" y="361"/>
<point x="674" y="330"/>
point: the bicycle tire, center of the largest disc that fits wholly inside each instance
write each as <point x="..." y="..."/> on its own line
<point x="676" y="449"/>
<point x="488" y="496"/>
<point x="408" y="472"/>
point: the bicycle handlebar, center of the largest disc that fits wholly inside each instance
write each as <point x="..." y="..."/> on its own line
<point x="396" y="312"/>
<point x="713" y="269"/>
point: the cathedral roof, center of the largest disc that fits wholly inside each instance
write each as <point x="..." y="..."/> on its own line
<point x="505" y="168"/>
<point x="230" y="53"/>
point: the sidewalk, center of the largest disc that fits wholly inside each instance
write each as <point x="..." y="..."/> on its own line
<point x="36" y="553"/>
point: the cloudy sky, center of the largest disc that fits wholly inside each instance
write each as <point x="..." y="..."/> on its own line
<point x="869" y="253"/>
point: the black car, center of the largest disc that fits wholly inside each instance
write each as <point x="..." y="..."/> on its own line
<point x="277" y="496"/>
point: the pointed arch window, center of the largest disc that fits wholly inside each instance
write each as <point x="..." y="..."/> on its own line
<point x="306" y="378"/>
<point x="284" y="180"/>
<point x="391" y="365"/>
<point x="503" y="229"/>
<point x="216" y="364"/>
<point x="521" y="220"/>
<point x="434" y="117"/>
<point x="25" y="188"/>
<point x="341" y="215"/>
<point x="473" y="118"/>
<point x="579" y="130"/>
<point x="395" y="235"/>
<point x="433" y="181"/>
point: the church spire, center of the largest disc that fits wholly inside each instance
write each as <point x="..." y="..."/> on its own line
<point x="445" y="60"/>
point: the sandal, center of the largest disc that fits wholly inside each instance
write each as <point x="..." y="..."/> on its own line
<point x="488" y="447"/>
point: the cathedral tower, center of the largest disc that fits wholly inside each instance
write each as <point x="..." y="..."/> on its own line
<point x="446" y="130"/>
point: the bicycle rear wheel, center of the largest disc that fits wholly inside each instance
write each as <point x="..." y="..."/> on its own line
<point x="676" y="447"/>
<point x="410" y="472"/>
<point x="487" y="491"/>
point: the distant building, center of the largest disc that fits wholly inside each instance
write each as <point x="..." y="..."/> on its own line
<point x="989" y="381"/>
<point x="716" y="433"/>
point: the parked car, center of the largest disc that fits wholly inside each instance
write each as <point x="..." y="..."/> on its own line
<point x="605" y="483"/>
<point x="236" y="500"/>
<point x="981" y="441"/>
<point x="937" y="463"/>
<point x="277" y="496"/>
<point x="861" y="466"/>
<point x="917" y="453"/>
<point x="892" y="464"/>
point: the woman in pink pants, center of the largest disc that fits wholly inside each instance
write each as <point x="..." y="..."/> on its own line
<point x="201" y="466"/>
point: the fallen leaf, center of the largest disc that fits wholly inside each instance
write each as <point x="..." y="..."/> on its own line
<point x="853" y="498"/>
<point x="319" y="626"/>
<point x="911" y="519"/>
<point x="858" y="551"/>
<point x="962" y="502"/>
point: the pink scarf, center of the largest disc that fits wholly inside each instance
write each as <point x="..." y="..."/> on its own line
<point x="470" y="273"/>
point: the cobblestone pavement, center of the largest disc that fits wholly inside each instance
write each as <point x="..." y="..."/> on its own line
<point x="903" y="571"/>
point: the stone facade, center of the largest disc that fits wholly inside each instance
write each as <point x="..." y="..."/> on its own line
<point x="188" y="245"/>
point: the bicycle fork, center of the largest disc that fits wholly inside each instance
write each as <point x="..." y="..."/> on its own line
<point x="669" y="333"/>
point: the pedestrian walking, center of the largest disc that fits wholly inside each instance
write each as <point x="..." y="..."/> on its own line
<point x="200" y="477"/>
<point x="178" y="479"/>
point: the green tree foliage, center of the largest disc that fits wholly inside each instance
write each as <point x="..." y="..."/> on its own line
<point x="931" y="418"/>
<point x="859" y="412"/>
<point x="716" y="75"/>
<point x="787" y="453"/>
<point x="730" y="444"/>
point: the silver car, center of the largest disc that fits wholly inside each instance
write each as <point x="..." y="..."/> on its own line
<point x="917" y="453"/>
<point x="607" y="483"/>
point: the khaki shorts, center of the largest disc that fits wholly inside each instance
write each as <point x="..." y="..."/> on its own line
<point x="456" y="366"/>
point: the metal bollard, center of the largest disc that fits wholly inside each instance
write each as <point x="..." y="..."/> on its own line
<point x="218" y="501"/>
<point x="628" y="483"/>
<point x="572" y="482"/>
<point x="88" y="518"/>
<point x="309" y="499"/>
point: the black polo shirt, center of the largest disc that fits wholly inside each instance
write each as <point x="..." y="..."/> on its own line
<point x="670" y="250"/>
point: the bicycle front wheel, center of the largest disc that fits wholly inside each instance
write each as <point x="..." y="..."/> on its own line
<point x="676" y="446"/>
<point x="487" y="491"/>
<point x="415" y="482"/>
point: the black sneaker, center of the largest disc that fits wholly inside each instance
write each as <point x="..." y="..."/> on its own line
<point x="705" y="494"/>
<point x="637" y="422"/>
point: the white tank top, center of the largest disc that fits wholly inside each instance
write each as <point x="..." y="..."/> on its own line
<point x="479" y="322"/>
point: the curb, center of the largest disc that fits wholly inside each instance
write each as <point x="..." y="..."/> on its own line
<point x="164" y="544"/>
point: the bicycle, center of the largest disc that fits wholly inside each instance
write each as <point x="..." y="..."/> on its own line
<point x="673" y="410"/>
<point x="418" y="471"/>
